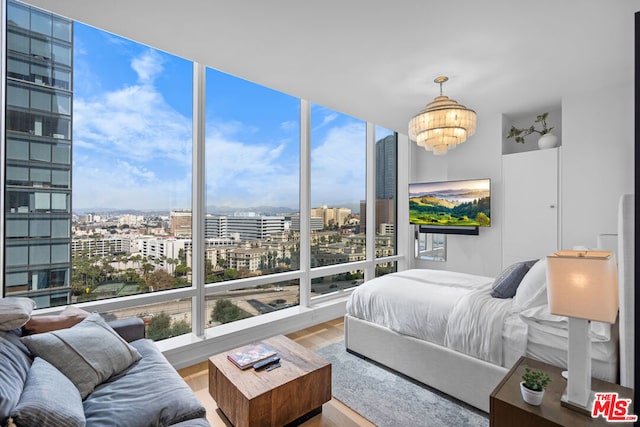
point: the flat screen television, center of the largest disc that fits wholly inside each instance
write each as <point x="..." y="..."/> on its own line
<point x="464" y="203"/>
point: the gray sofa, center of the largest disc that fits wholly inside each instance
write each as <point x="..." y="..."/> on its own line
<point x="149" y="392"/>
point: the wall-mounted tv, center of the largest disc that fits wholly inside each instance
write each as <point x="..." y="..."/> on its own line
<point x="465" y="203"/>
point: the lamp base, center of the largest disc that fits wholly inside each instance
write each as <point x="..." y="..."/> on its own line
<point x="564" y="401"/>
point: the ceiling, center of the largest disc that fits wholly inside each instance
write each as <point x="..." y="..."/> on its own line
<point x="376" y="60"/>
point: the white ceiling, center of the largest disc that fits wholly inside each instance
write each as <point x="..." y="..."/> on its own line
<point x="376" y="59"/>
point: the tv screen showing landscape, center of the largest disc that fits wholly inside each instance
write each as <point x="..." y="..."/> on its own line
<point x="451" y="203"/>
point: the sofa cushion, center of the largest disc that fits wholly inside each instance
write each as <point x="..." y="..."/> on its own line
<point x="149" y="393"/>
<point x="48" y="399"/>
<point x="15" y="362"/>
<point x="87" y="353"/>
<point x="15" y="312"/>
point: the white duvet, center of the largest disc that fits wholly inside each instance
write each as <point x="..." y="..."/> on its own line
<point x="446" y="308"/>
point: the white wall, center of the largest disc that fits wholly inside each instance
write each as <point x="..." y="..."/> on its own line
<point x="597" y="166"/>
<point x="478" y="157"/>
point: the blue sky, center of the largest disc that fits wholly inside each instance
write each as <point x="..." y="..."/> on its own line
<point x="132" y="119"/>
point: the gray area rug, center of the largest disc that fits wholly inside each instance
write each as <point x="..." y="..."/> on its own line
<point x="389" y="399"/>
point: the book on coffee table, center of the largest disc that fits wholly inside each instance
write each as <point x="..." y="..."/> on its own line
<point x="249" y="355"/>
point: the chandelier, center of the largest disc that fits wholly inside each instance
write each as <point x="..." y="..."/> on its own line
<point x="443" y="124"/>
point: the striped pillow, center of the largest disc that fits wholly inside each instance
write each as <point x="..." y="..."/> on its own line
<point x="88" y="353"/>
<point x="48" y="399"/>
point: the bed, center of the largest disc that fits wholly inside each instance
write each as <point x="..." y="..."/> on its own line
<point x="473" y="338"/>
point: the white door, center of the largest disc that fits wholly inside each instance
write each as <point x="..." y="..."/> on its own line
<point x="530" y="222"/>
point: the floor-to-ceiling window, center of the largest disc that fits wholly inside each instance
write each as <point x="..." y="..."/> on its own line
<point x="338" y="196"/>
<point x="99" y="169"/>
<point x="252" y="196"/>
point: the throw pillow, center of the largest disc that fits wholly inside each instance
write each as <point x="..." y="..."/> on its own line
<point x="15" y="312"/>
<point x="48" y="399"/>
<point x="506" y="284"/>
<point x="88" y="353"/>
<point x="67" y="318"/>
<point x="533" y="287"/>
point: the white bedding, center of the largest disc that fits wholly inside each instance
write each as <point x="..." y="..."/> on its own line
<point x="454" y="305"/>
<point x="476" y="323"/>
<point x="407" y="300"/>
<point x="456" y="310"/>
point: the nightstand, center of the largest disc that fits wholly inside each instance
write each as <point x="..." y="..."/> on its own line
<point x="508" y="409"/>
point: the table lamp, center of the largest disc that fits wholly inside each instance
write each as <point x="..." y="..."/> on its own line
<point x="582" y="285"/>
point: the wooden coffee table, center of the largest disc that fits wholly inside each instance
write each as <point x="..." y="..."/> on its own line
<point x="287" y="395"/>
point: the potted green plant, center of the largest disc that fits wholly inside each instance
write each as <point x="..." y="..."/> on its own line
<point x="533" y="384"/>
<point x="546" y="140"/>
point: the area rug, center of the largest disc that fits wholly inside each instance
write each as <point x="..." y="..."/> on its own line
<point x="389" y="399"/>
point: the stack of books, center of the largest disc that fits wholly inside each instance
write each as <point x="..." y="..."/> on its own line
<point x="247" y="356"/>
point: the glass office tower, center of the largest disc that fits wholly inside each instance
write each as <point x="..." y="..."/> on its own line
<point x="36" y="152"/>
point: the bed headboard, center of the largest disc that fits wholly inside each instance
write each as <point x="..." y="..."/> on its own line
<point x="626" y="280"/>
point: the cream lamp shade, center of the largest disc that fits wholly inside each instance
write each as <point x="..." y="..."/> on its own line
<point x="583" y="284"/>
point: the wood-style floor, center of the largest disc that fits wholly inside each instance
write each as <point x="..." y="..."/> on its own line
<point x="334" y="413"/>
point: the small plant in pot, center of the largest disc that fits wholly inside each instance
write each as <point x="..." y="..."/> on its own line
<point x="533" y="384"/>
<point x="547" y="139"/>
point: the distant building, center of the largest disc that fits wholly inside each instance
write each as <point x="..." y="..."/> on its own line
<point x="386" y="228"/>
<point x="112" y="245"/>
<point x="36" y="151"/>
<point x="243" y="226"/>
<point x="255" y="227"/>
<point x="180" y="223"/>
<point x="316" y="223"/>
<point x="159" y="250"/>
<point x="215" y="226"/>
<point x="131" y="220"/>
<point x="386" y="172"/>
<point x="331" y="216"/>
<point x="386" y="178"/>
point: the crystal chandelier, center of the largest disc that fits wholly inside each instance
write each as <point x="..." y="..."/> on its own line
<point x="442" y="124"/>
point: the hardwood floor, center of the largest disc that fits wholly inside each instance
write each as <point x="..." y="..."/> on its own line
<point x="334" y="413"/>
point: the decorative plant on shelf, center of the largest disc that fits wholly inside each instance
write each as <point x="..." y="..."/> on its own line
<point x="533" y="384"/>
<point x="519" y="134"/>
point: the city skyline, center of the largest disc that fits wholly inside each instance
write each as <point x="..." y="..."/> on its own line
<point x="132" y="131"/>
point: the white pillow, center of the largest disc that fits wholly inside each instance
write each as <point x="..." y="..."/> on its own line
<point x="15" y="312"/>
<point x="533" y="287"/>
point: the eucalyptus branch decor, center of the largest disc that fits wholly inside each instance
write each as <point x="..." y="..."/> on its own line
<point x="519" y="134"/>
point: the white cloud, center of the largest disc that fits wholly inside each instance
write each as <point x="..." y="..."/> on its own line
<point x="290" y="125"/>
<point x="241" y="174"/>
<point x="147" y="66"/>
<point x="338" y="166"/>
<point x="134" y="122"/>
<point x="133" y="150"/>
<point x="328" y="117"/>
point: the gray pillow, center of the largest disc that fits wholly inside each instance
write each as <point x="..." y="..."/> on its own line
<point x="15" y="312"/>
<point x="87" y="353"/>
<point x="48" y="399"/>
<point x="506" y="285"/>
